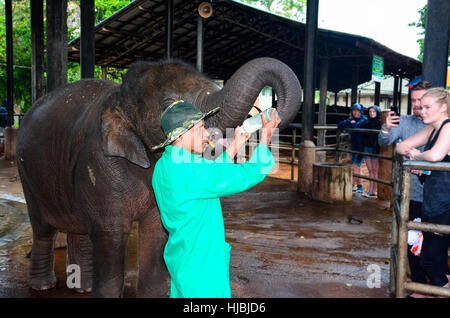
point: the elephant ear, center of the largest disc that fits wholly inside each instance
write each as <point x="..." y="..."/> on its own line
<point x="119" y="139"/>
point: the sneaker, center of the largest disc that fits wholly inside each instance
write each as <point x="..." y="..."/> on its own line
<point x="358" y="189"/>
<point x="370" y="195"/>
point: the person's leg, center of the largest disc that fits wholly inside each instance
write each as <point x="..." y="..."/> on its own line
<point x="417" y="272"/>
<point x="374" y="174"/>
<point x="356" y="169"/>
<point x="369" y="165"/>
<point x="434" y="256"/>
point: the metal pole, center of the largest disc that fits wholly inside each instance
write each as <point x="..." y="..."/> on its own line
<point x="87" y="52"/>
<point x="323" y="101"/>
<point x="312" y="11"/>
<point x="9" y="63"/>
<point x="169" y="46"/>
<point x="200" y="44"/>
<point x="294" y="138"/>
<point x="400" y="95"/>
<point x="355" y="80"/>
<point x="408" y="110"/>
<point x="377" y="93"/>
<point x="435" y="55"/>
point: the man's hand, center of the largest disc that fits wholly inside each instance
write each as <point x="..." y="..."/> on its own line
<point x="391" y="121"/>
<point x="239" y="140"/>
<point x="268" y="128"/>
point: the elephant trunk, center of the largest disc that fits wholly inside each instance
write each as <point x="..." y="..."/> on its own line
<point x="240" y="92"/>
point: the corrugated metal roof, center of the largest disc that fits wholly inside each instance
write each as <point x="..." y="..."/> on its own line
<point x="233" y="35"/>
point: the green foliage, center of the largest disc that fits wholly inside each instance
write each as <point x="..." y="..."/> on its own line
<point x="22" y="45"/>
<point x="21" y="51"/>
<point x="293" y="9"/>
<point x="421" y="24"/>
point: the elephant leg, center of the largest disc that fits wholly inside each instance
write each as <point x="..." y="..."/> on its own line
<point x="42" y="274"/>
<point x="79" y="252"/>
<point x="109" y="253"/>
<point x="153" y="280"/>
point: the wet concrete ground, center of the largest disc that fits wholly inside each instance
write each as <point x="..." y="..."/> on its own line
<point x="283" y="244"/>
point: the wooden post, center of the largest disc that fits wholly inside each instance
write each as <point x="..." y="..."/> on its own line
<point x="10" y="134"/>
<point x="87" y="51"/>
<point x="385" y="167"/>
<point x="104" y="73"/>
<point x="403" y="236"/>
<point x="306" y="159"/>
<point x="9" y="62"/>
<point x="312" y="11"/>
<point x="56" y="44"/>
<point x="332" y="182"/>
<point x="435" y="51"/>
<point x="37" y="50"/>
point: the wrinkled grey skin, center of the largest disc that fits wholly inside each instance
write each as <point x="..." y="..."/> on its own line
<point x="86" y="167"/>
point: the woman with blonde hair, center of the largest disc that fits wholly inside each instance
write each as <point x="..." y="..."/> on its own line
<point x="436" y="194"/>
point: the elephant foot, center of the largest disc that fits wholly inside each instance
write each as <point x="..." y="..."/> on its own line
<point x="41" y="284"/>
<point x="82" y="290"/>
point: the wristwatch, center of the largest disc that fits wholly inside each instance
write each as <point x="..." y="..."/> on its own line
<point x="384" y="131"/>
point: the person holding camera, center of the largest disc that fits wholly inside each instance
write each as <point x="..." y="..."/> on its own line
<point x="397" y="129"/>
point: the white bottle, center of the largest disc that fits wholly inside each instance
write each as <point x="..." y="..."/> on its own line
<point x="252" y="124"/>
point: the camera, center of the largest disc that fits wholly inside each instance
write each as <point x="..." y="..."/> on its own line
<point x="395" y="110"/>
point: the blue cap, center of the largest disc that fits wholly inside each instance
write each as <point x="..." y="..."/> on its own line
<point x="358" y="107"/>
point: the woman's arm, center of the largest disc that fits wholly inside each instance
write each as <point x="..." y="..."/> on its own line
<point x="440" y="149"/>
<point x="414" y="141"/>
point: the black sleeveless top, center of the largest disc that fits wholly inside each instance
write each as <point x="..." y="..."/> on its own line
<point x="436" y="189"/>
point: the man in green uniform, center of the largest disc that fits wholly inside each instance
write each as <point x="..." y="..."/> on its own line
<point x="188" y="189"/>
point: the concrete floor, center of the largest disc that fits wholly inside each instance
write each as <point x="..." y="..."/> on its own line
<point x="283" y="244"/>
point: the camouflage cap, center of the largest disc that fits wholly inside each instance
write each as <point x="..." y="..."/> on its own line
<point x="178" y="118"/>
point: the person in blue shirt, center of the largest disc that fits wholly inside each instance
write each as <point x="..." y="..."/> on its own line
<point x="356" y="120"/>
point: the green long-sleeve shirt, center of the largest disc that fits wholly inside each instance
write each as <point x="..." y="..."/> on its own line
<point x="188" y="190"/>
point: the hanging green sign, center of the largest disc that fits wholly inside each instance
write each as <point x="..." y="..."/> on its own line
<point x="377" y="68"/>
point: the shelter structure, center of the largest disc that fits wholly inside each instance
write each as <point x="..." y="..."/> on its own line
<point x="234" y="34"/>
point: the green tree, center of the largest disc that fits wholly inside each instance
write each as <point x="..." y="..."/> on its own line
<point x="421" y="24"/>
<point x="22" y="45"/>
<point x="293" y="9"/>
<point x="103" y="9"/>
